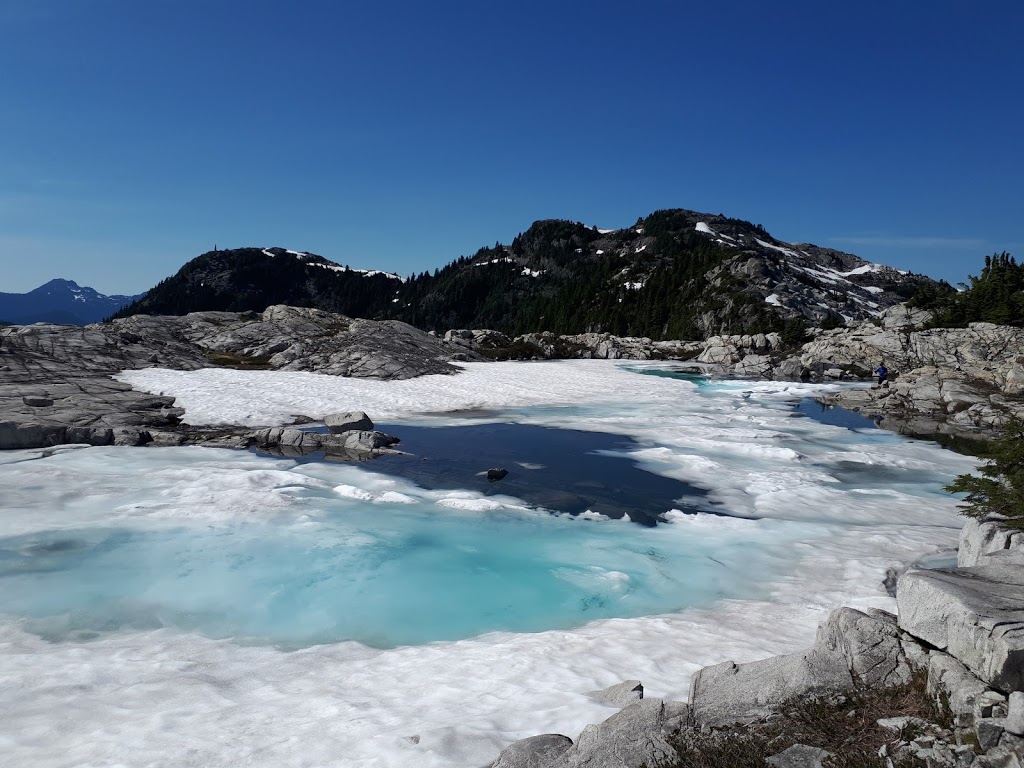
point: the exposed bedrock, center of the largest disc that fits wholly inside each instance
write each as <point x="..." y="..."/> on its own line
<point x="974" y="614"/>
<point x="958" y="381"/>
<point x="980" y="538"/>
<point x="961" y="627"/>
<point x="56" y="385"/>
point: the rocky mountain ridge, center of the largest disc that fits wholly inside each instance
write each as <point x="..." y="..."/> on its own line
<point x="674" y="274"/>
<point x="60" y="301"/>
<point x="252" y="279"/>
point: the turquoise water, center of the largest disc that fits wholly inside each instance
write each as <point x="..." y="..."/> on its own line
<point x="382" y="575"/>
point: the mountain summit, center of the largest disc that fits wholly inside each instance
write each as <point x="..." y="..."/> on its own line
<point x="59" y="301"/>
<point x="252" y="279"/>
<point x="674" y="274"/>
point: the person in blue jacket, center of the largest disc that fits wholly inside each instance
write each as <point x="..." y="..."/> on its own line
<point x="882" y="372"/>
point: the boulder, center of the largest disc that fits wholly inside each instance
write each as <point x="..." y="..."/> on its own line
<point x="755" y="366"/>
<point x="535" y="752"/>
<point x="619" y="695"/>
<point x="348" y="421"/>
<point x="730" y="693"/>
<point x="363" y="440"/>
<point x="633" y="737"/>
<point x="869" y="644"/>
<point x="980" y="538"/>
<point x="496" y="473"/>
<point x="1015" y="714"/>
<point x="975" y="614"/>
<point x="950" y="679"/>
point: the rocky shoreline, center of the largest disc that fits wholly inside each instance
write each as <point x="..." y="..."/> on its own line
<point x="963" y="382"/>
<point x="56" y="382"/>
<point x="962" y="628"/>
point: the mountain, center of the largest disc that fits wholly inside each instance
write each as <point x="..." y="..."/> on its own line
<point x="252" y="279"/>
<point x="674" y="274"/>
<point x="60" y="301"/>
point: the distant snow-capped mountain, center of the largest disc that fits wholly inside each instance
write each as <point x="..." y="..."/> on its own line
<point x="60" y="301"/>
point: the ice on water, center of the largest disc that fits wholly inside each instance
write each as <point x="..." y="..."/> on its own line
<point x="200" y="606"/>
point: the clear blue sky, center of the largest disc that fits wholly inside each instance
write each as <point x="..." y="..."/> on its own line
<point x="135" y="134"/>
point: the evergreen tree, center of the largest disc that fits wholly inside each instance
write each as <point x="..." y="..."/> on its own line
<point x="1000" y="488"/>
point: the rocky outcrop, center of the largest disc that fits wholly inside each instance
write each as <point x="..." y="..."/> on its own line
<point x="730" y="693"/>
<point x="852" y="648"/>
<point x="534" y="752"/>
<point x="975" y="614"/>
<point x="962" y="381"/>
<point x="351" y="445"/>
<point x="961" y="627"/>
<point x="634" y="737"/>
<point x="981" y="538"/>
<point x="56" y="385"/>
<point x="345" y="422"/>
<point x="583" y="346"/>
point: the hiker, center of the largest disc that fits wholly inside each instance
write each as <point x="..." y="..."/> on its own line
<point x="882" y="372"/>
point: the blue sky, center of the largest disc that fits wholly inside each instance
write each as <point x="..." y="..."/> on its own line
<point x="400" y="135"/>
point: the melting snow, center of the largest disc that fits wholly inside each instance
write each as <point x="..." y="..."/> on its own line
<point x="640" y="249"/>
<point x="773" y="299"/>
<point x="835" y="507"/>
<point x="862" y="270"/>
<point x="873" y="289"/>
<point x="786" y="251"/>
<point x="702" y="227"/>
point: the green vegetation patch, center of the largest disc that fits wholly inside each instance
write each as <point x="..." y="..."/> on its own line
<point x="241" y="362"/>
<point x="999" y="489"/>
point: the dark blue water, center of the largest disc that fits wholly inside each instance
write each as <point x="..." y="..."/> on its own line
<point x="834" y="415"/>
<point x="559" y="469"/>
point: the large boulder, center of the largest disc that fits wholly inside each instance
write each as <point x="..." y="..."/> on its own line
<point x="730" y="693"/>
<point x="348" y="421"/>
<point x="535" y="752"/>
<point x="620" y="694"/>
<point x="975" y="614"/>
<point x="980" y="538"/>
<point x="961" y="689"/>
<point x="851" y="648"/>
<point x="634" y="737"/>
<point x="870" y="645"/>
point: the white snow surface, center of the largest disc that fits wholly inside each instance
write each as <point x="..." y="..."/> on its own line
<point x="174" y="698"/>
<point x="773" y="299"/>
<point x="703" y="227"/>
<point x="786" y="251"/>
